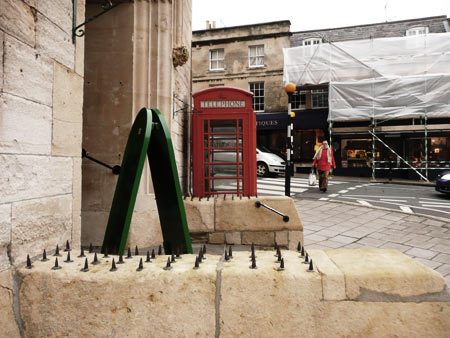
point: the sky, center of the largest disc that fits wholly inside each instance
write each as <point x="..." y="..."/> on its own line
<point x="312" y="14"/>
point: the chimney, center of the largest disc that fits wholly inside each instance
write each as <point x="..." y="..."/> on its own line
<point x="214" y="24"/>
<point x="208" y="25"/>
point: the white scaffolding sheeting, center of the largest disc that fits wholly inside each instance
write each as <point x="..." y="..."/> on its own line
<point x="383" y="98"/>
<point x="377" y="78"/>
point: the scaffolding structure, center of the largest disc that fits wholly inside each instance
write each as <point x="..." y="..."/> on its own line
<point x="379" y="80"/>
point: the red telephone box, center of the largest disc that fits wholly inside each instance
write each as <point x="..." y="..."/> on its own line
<point x="224" y="142"/>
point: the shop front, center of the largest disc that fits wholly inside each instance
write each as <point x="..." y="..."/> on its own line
<point x="310" y="129"/>
<point x="354" y="152"/>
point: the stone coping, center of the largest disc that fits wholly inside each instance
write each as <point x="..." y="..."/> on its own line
<point x="351" y="292"/>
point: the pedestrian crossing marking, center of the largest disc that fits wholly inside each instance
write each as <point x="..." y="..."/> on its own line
<point x="365" y="203"/>
<point x="404" y="208"/>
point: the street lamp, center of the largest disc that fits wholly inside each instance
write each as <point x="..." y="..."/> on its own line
<point x="289" y="89"/>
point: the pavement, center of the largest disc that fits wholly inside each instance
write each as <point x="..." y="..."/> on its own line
<point x="334" y="225"/>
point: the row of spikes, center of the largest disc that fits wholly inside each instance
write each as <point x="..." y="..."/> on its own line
<point x="280" y="259"/>
<point x="170" y="260"/>
<point x="228" y="255"/>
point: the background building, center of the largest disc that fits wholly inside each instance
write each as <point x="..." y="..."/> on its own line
<point x="248" y="57"/>
<point x="383" y="51"/>
<point x="231" y="56"/>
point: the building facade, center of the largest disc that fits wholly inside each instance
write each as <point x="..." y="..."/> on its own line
<point x="250" y="57"/>
<point x="422" y="142"/>
<point x="247" y="57"/>
<point x="60" y="93"/>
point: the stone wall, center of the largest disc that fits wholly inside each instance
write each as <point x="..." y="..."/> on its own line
<point x="235" y="41"/>
<point x="436" y="24"/>
<point x="41" y="97"/>
<point x="349" y="293"/>
<point x="130" y="65"/>
<point x="234" y="220"/>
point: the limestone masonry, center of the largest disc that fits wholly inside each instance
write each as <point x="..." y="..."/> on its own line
<point x="350" y="293"/>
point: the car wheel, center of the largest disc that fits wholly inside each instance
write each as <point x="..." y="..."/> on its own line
<point x="261" y="169"/>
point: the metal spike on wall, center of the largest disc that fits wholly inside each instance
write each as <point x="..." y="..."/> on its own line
<point x="91" y="248"/>
<point x="136" y="251"/>
<point x="56" y="266"/>
<point x="29" y="265"/>
<point x="67" y="246"/>
<point x="147" y="260"/>
<point x="68" y="260"/>
<point x="141" y="266"/>
<point x="95" y="261"/>
<point x="168" y="267"/>
<point x="44" y="256"/>
<point x="197" y="263"/>
<point x="120" y="259"/>
<point x="86" y="266"/>
<point x="281" y="267"/>
<point x="57" y="251"/>
<point x="153" y="254"/>
<point x="311" y="267"/>
<point x="82" y="253"/>
<point x="106" y="254"/>
<point x="113" y="266"/>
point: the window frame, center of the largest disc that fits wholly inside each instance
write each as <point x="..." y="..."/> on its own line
<point x="295" y="94"/>
<point x="216" y="59"/>
<point x="317" y="92"/>
<point x="256" y="56"/>
<point x="417" y="31"/>
<point x="312" y="41"/>
<point x="259" y="96"/>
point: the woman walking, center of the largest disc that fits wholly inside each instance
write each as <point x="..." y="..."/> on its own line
<point x="324" y="159"/>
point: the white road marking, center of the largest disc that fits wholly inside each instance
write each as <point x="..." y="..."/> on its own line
<point x="433" y="199"/>
<point x="342" y="191"/>
<point x="324" y="199"/>
<point x="351" y="188"/>
<point x="270" y="192"/>
<point x="333" y="195"/>
<point x="411" y="206"/>
<point x="365" y="203"/>
<point x="277" y="188"/>
<point x="384" y="196"/>
<point x="436" y="206"/>
<point x="358" y="186"/>
<point x="390" y="200"/>
<point x="406" y="209"/>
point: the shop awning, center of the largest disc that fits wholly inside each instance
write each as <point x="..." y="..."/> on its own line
<point x="305" y="119"/>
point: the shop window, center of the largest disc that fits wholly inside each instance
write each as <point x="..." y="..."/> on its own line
<point x="216" y="57"/>
<point x="356" y="153"/>
<point x="298" y="100"/>
<point x="256" y="56"/>
<point x="257" y="88"/>
<point x="417" y="31"/>
<point x="319" y="98"/>
<point x="439" y="150"/>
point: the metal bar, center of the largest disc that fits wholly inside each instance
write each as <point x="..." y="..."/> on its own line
<point x="426" y="146"/>
<point x="115" y="169"/>
<point x="258" y="204"/>
<point x="382" y="142"/>
<point x="107" y="6"/>
<point x="287" y="175"/>
<point x="373" y="149"/>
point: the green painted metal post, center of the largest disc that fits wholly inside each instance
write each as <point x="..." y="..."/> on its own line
<point x="150" y="136"/>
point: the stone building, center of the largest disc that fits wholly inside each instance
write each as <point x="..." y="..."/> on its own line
<point x="248" y="57"/>
<point x="60" y="93"/>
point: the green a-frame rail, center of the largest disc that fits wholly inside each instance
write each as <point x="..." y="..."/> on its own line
<point x="149" y="136"/>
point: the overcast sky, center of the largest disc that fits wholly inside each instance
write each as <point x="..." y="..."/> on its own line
<point x="312" y="14"/>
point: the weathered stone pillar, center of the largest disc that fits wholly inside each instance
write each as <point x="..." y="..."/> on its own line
<point x="128" y="66"/>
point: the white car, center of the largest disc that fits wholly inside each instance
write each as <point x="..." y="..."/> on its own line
<point x="267" y="162"/>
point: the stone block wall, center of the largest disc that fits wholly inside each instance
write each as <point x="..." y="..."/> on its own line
<point x="349" y="293"/>
<point x="235" y="220"/>
<point x="41" y="98"/>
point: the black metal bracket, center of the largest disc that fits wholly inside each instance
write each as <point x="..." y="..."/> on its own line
<point x="107" y="6"/>
<point x="258" y="204"/>
<point x="115" y="170"/>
